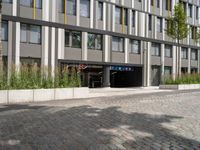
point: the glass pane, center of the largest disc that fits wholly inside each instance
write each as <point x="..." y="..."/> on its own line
<point x="121" y="44"/>
<point x="26" y="3"/>
<point x="35" y="34"/>
<point x="117" y="15"/>
<point x="85" y="8"/>
<point x="136" y="46"/>
<point x="76" y="39"/>
<point x="115" y="44"/>
<point x="67" y="38"/>
<point x="100" y="11"/>
<point x="39" y="4"/>
<point x="99" y="42"/>
<point x="60" y="6"/>
<point x="7" y="1"/>
<point x="91" y="41"/>
<point x="4" y="31"/>
<point x="23" y="33"/>
<point x="71" y="7"/>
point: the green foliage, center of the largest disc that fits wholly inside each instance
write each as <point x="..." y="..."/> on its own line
<point x="177" y="25"/>
<point x="31" y="77"/>
<point x="183" y="79"/>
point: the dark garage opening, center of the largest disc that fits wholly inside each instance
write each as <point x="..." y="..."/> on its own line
<point x="126" y="78"/>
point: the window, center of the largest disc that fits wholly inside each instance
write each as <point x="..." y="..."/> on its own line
<point x="150" y="22"/>
<point x="118" y="16"/>
<point x="35" y="34"/>
<point x="30" y="3"/>
<point x="197" y="12"/>
<point x="76" y="39"/>
<point x="67" y="38"/>
<point x="168" y="5"/>
<point x="117" y="44"/>
<point x="23" y="33"/>
<point x="7" y="1"/>
<point x="184" y="53"/>
<point x="168" y="71"/>
<point x="193" y="32"/>
<point x="168" y="51"/>
<point x="100" y="11"/>
<point x="155" y="49"/>
<point x="194" y="54"/>
<point x="61" y="6"/>
<point x="190" y="10"/>
<point x="133" y="18"/>
<point x="135" y="46"/>
<point x="4" y="31"/>
<point x="152" y="2"/>
<point x="85" y="8"/>
<point x="71" y="7"/>
<point x="159" y="24"/>
<point x="94" y="41"/>
<point x="158" y="3"/>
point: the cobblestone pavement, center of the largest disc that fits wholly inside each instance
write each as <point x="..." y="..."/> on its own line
<point x="145" y="122"/>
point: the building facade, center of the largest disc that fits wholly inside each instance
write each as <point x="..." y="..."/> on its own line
<point x="116" y="43"/>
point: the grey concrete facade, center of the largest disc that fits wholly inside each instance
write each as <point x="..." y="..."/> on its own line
<point x="52" y="47"/>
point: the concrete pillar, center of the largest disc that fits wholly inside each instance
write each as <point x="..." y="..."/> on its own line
<point x="53" y="11"/>
<point x="155" y="26"/>
<point x="174" y="73"/>
<point x="91" y="13"/>
<point x="130" y="21"/>
<point x="113" y="18"/>
<point x="106" y="48"/>
<point x="84" y="45"/>
<point x="78" y="12"/>
<point x="104" y="16"/>
<point x="198" y="61"/>
<point x="10" y="52"/>
<point x="148" y="64"/>
<point x="45" y="10"/>
<point x="142" y="24"/>
<point x="16" y="46"/>
<point x="45" y="47"/>
<point x="106" y="76"/>
<point x="126" y="51"/>
<point x="136" y="23"/>
<point x="61" y="43"/>
<point x="189" y="60"/>
<point x="179" y="60"/>
<point x="162" y="62"/>
<point x="53" y="39"/>
<point x="14" y="8"/>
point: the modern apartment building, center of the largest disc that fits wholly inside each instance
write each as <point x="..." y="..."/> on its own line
<point x="116" y="43"/>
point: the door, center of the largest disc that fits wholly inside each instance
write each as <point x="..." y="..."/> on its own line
<point x="155" y="75"/>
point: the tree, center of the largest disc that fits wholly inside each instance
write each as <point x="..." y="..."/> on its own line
<point x="178" y="29"/>
<point x="1" y="48"/>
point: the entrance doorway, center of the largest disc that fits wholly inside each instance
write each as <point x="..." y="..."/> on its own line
<point x="155" y="75"/>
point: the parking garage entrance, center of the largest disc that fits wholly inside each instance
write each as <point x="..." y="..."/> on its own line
<point x="97" y="75"/>
<point x="125" y="76"/>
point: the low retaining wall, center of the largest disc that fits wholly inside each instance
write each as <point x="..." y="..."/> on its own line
<point x="38" y="95"/>
<point x="181" y="87"/>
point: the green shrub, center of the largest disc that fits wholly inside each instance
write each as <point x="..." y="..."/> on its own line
<point x="33" y="77"/>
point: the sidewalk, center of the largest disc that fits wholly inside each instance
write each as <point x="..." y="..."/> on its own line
<point x="106" y="92"/>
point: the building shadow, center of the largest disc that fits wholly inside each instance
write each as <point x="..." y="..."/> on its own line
<point x="86" y="127"/>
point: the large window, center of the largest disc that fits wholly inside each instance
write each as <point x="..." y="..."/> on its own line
<point x="100" y="11"/>
<point x="155" y="49"/>
<point x="30" y="3"/>
<point x="118" y="44"/>
<point x="184" y="53"/>
<point x="7" y="1"/>
<point x="168" y="51"/>
<point x="94" y="41"/>
<point x="194" y="54"/>
<point x="159" y="24"/>
<point x="72" y="39"/>
<point x="35" y="34"/>
<point x="168" y="71"/>
<point x="197" y="12"/>
<point x="4" y="31"/>
<point x="85" y="8"/>
<point x="119" y="14"/>
<point x="71" y="6"/>
<point x="135" y="46"/>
